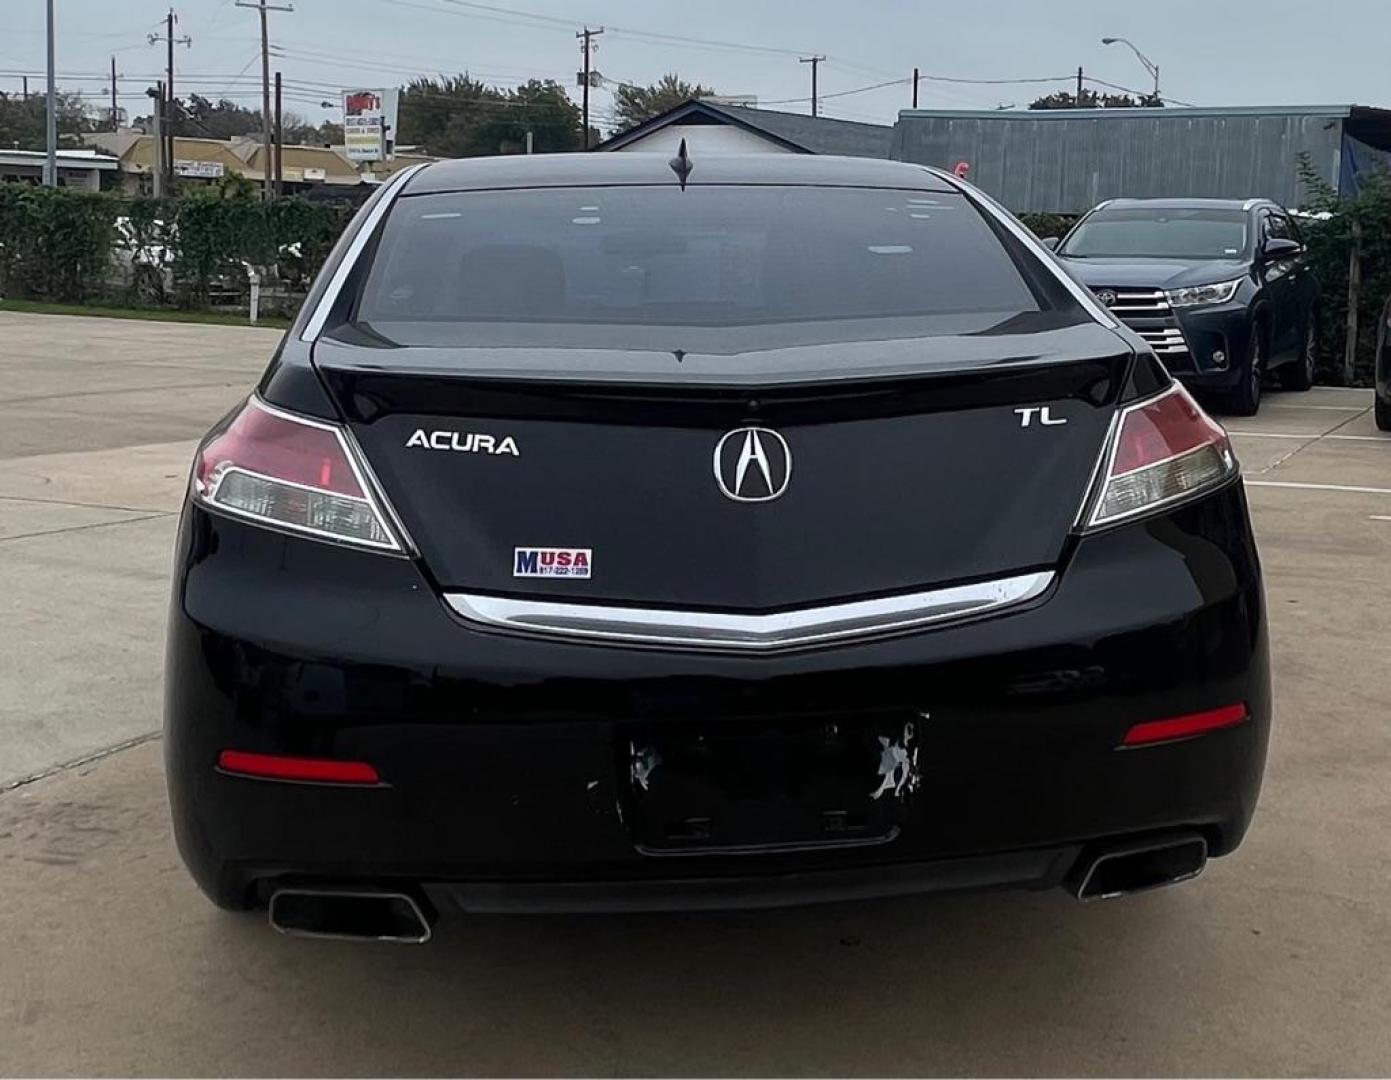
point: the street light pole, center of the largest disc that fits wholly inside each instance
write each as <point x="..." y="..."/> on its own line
<point x="1150" y="65"/>
<point x="50" y="164"/>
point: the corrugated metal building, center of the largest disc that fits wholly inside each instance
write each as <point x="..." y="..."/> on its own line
<point x="1068" y="160"/>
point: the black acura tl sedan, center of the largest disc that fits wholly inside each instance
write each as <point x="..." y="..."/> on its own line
<point x="611" y="532"/>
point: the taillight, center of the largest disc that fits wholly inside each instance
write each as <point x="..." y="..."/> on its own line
<point x="304" y="770"/>
<point x="293" y="473"/>
<point x="1164" y="450"/>
<point x="1185" y="727"/>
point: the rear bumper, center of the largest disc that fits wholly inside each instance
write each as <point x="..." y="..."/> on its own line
<point x="1041" y="868"/>
<point x="507" y="782"/>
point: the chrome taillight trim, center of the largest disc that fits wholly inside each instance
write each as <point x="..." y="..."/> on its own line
<point x="688" y="629"/>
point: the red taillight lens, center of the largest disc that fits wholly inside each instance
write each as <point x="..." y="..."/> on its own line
<point x="292" y="472"/>
<point x="1165" y="449"/>
<point x="304" y="770"/>
<point x="272" y="443"/>
<point x="1184" y="727"/>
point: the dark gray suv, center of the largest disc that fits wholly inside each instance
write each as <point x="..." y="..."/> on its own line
<point x="1221" y="289"/>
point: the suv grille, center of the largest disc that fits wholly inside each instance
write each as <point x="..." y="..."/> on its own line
<point x="1147" y="312"/>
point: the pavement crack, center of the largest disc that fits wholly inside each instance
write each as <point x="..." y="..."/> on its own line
<point x="83" y="505"/>
<point x="77" y="763"/>
<point x="1310" y="441"/>
<point x="221" y="383"/>
<point x="84" y="528"/>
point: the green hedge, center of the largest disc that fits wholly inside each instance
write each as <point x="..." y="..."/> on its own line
<point x="53" y="243"/>
<point x="1046" y="225"/>
<point x="1330" y="240"/>
<point x="73" y="246"/>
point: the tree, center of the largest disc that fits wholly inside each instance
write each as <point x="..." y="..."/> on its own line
<point x="200" y="118"/>
<point x="23" y="125"/>
<point x="458" y="116"/>
<point x="297" y="131"/>
<point x="1091" y="99"/>
<point x="634" y="104"/>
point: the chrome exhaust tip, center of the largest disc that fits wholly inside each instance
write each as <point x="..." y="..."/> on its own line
<point x="1138" y="866"/>
<point x="351" y="914"/>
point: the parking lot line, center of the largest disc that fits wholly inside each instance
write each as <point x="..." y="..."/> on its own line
<point x="1319" y="487"/>
<point x="1308" y="435"/>
<point x="1322" y="408"/>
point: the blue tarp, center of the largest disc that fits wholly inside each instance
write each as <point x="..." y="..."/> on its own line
<point x="1357" y="162"/>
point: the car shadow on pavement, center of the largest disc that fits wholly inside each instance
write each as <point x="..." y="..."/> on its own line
<point x="984" y="983"/>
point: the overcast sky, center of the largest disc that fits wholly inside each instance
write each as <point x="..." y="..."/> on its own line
<point x="1210" y="52"/>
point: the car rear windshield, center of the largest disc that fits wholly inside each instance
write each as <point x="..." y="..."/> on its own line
<point x="1150" y="232"/>
<point x="713" y="256"/>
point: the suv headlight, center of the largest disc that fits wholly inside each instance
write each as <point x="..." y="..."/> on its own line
<point x="1194" y="295"/>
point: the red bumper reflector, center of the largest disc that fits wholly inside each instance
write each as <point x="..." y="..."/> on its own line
<point x="1181" y="727"/>
<point x="310" y="770"/>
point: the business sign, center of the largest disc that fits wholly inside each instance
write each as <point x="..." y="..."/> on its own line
<point x="369" y="124"/>
<point x="202" y="170"/>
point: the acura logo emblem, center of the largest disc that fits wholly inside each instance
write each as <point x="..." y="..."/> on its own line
<point x="1106" y="296"/>
<point x="752" y="464"/>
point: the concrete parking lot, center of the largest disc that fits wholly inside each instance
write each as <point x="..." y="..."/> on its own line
<point x="1277" y="961"/>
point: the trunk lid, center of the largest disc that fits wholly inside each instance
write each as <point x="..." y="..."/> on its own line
<point x="911" y="462"/>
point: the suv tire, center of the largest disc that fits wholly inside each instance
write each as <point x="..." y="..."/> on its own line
<point x="1245" y="400"/>
<point x="1299" y="375"/>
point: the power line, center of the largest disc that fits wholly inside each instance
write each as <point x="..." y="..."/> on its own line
<point x="993" y="82"/>
<point x="551" y="22"/>
<point x="1137" y="93"/>
<point x="565" y="26"/>
<point x="836" y="94"/>
<point x="701" y="43"/>
<point x="300" y="49"/>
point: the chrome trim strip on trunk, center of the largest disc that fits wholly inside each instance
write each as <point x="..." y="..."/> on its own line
<point x="725" y="630"/>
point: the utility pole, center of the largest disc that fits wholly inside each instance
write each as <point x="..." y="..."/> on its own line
<point x="916" y="77"/>
<point x="813" y="61"/>
<point x="263" y="8"/>
<point x="169" y="38"/>
<point x="279" y="142"/>
<point x="115" y="122"/>
<point x="1079" y="86"/>
<point x="157" y="165"/>
<point x="50" y="164"/>
<point x="587" y="46"/>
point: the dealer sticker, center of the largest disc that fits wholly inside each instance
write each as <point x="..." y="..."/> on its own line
<point x="552" y="562"/>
